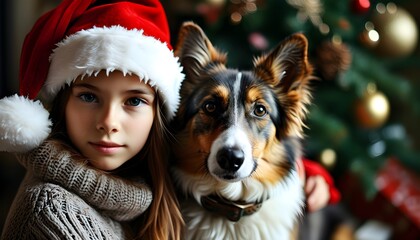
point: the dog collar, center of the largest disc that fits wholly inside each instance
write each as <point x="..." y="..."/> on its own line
<point x="232" y="210"/>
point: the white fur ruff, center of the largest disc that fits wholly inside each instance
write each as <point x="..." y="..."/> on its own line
<point x="274" y="220"/>
<point x="24" y="124"/>
<point x="115" y="48"/>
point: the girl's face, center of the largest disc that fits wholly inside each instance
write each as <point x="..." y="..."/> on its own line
<point x="108" y="118"/>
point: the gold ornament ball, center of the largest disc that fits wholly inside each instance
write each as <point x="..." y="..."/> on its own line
<point x="328" y="158"/>
<point x="372" y="110"/>
<point x="397" y="31"/>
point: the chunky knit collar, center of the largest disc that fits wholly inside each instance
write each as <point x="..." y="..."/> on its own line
<point x="119" y="198"/>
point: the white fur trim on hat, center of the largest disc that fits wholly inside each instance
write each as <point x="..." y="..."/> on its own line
<point x="115" y="48"/>
<point x="24" y="124"/>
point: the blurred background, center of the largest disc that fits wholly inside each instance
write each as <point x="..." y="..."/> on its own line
<point x="364" y="124"/>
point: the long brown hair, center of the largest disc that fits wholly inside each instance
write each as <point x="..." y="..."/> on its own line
<point x="163" y="219"/>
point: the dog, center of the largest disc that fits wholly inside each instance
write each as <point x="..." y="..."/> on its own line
<point x="238" y="137"/>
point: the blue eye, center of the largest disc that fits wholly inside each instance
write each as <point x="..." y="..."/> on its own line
<point x="87" y="97"/>
<point x="134" y="101"/>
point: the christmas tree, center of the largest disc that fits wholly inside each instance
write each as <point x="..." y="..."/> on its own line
<point x="365" y="107"/>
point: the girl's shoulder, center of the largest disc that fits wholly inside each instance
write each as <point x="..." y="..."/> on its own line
<point x="47" y="210"/>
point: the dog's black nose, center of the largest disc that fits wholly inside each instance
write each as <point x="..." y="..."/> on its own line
<point x="230" y="159"/>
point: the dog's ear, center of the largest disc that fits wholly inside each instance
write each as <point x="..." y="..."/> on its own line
<point x="195" y="51"/>
<point x="287" y="70"/>
<point x="286" y="67"/>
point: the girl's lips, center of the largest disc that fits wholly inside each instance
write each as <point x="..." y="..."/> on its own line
<point x="106" y="147"/>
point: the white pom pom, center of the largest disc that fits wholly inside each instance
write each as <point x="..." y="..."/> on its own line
<point x="24" y="124"/>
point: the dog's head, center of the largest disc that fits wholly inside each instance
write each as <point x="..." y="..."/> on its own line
<point x="234" y="125"/>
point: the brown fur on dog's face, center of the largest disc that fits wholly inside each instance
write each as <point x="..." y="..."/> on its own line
<point x="234" y="124"/>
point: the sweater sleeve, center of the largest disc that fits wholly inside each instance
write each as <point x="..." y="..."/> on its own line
<point x="120" y="199"/>
<point x="313" y="168"/>
<point x="48" y="211"/>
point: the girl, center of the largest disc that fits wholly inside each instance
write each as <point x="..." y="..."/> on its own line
<point x="108" y="73"/>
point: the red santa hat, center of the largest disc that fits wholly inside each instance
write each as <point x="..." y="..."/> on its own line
<point x="81" y="38"/>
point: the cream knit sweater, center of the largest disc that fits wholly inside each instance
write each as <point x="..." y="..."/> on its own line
<point x="60" y="198"/>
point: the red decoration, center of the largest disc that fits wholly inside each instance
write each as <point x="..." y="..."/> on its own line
<point x="401" y="187"/>
<point x="397" y="203"/>
<point x="360" y="6"/>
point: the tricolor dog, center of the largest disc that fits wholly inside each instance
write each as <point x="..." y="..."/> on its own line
<point x="237" y="139"/>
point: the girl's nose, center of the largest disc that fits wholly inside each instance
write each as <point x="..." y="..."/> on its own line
<point x="108" y="119"/>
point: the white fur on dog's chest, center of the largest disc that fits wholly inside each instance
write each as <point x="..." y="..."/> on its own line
<point x="275" y="219"/>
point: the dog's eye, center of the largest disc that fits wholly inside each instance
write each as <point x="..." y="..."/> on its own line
<point x="209" y="107"/>
<point x="260" y="110"/>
